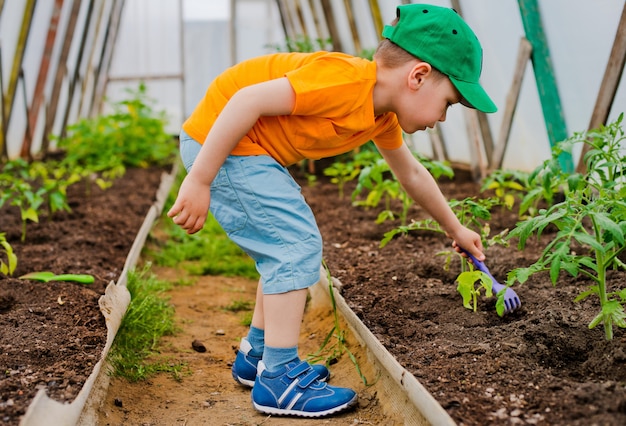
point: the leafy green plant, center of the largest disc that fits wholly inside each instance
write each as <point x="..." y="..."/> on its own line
<point x="19" y="191"/>
<point x="54" y="179"/>
<point x="31" y="187"/>
<point x="590" y="224"/>
<point x="8" y="267"/>
<point x="381" y="184"/>
<point x="545" y="183"/>
<point x="132" y="136"/>
<point x="470" y="291"/>
<point x="475" y="214"/>
<point x="472" y="212"/>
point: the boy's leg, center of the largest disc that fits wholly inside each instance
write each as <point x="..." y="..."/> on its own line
<point x="252" y="347"/>
<point x="258" y="319"/>
<point x="261" y="208"/>
<point x="283" y="317"/>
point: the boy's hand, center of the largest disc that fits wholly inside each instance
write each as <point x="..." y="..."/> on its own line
<point x="191" y="206"/>
<point x="470" y="241"/>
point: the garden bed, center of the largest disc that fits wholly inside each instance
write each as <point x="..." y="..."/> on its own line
<point x="540" y="365"/>
<point x="54" y="333"/>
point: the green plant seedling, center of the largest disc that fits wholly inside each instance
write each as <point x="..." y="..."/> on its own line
<point x="340" y="173"/>
<point x="507" y="185"/>
<point x="9" y="267"/>
<point x="47" y="276"/>
<point x="470" y="291"/>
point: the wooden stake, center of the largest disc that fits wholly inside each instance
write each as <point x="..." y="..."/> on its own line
<point x="523" y="55"/>
<point x="610" y="83"/>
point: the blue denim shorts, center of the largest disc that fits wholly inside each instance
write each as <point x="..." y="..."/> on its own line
<point x="262" y="210"/>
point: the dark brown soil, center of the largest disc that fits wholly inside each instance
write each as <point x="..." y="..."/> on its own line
<point x="540" y="365"/>
<point x="52" y="334"/>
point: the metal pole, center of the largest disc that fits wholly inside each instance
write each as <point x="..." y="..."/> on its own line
<point x="546" y="81"/>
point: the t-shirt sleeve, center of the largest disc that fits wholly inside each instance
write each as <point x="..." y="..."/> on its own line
<point x="391" y="135"/>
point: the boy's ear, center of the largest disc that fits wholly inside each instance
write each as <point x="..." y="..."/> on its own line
<point x="418" y="75"/>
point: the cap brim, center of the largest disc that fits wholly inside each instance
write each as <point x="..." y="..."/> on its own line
<point x="474" y="96"/>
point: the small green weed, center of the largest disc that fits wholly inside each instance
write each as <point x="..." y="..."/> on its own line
<point x="239" y="305"/>
<point x="330" y="352"/>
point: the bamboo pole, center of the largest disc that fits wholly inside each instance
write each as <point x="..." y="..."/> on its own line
<point x="90" y="72"/>
<point x="44" y="68"/>
<point x="75" y="78"/>
<point x="60" y="74"/>
<point x="16" y="68"/>
<point x="107" y="55"/>
<point x="377" y="17"/>
<point x="316" y="21"/>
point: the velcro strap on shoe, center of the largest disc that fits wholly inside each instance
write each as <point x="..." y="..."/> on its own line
<point x="306" y="381"/>
<point x="299" y="369"/>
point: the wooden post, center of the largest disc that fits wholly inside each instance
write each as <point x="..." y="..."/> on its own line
<point x="480" y="122"/>
<point x="60" y="73"/>
<point x="353" y="29"/>
<point x="332" y="25"/>
<point x="523" y="55"/>
<point x="610" y="83"/>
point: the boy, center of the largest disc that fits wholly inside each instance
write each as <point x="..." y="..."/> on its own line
<point x="265" y="114"/>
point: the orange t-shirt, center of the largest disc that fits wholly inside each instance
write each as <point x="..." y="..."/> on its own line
<point x="333" y="112"/>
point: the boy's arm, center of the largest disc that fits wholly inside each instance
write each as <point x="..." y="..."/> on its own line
<point x="423" y="189"/>
<point x="274" y="97"/>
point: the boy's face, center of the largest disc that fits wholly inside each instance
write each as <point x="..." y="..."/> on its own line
<point x="426" y="101"/>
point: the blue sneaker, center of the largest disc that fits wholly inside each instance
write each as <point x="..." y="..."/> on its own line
<point x="245" y="366"/>
<point x="295" y="390"/>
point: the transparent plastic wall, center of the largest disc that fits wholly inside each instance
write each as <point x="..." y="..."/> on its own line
<point x="178" y="46"/>
<point x="580" y="34"/>
<point x="149" y="51"/>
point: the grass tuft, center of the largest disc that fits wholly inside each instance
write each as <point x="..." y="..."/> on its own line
<point x="134" y="354"/>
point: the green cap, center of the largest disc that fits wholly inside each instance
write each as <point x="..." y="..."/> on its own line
<point x="439" y="36"/>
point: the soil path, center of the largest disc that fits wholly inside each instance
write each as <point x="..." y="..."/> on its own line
<point x="208" y="395"/>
